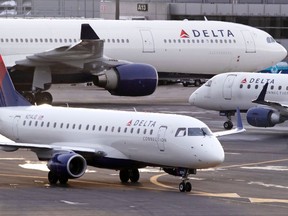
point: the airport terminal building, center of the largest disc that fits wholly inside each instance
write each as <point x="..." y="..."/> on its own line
<point x="269" y="15"/>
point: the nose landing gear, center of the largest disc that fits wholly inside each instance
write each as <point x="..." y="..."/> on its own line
<point x="185" y="185"/>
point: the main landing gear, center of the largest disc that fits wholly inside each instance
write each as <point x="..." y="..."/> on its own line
<point x="53" y="179"/>
<point x="38" y="97"/>
<point x="228" y="125"/>
<point x="185" y="185"/>
<point x="129" y="174"/>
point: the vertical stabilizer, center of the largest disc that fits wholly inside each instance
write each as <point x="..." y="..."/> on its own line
<point x="8" y="95"/>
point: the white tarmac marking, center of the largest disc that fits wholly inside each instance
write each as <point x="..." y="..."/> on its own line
<point x="72" y="203"/>
<point x="268" y="185"/>
<point x="271" y="168"/>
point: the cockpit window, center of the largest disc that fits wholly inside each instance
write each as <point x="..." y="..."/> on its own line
<point x="270" y="40"/>
<point x="206" y="131"/>
<point x="208" y="83"/>
<point x="180" y="132"/>
<point x="199" y="132"/>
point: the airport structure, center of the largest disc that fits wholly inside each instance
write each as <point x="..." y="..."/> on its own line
<point x="269" y="15"/>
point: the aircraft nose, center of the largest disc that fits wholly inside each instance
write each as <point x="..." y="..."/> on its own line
<point x="282" y="52"/>
<point x="192" y="98"/>
<point x="217" y="156"/>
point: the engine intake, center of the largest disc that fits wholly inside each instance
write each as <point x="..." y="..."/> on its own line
<point x="70" y="165"/>
<point x="129" y="80"/>
<point x="263" y="117"/>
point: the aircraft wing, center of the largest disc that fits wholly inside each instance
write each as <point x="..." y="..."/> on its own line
<point x="282" y="108"/>
<point x="87" y="53"/>
<point x="238" y="129"/>
<point x="84" y="149"/>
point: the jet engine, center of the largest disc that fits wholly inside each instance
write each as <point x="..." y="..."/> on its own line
<point x="263" y="117"/>
<point x="68" y="165"/>
<point x="178" y="171"/>
<point x="129" y="80"/>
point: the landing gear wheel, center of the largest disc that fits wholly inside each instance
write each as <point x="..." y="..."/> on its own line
<point x="124" y="176"/>
<point x="29" y="97"/>
<point x="63" y="180"/>
<point x="182" y="187"/>
<point x="134" y="175"/>
<point x="52" y="178"/>
<point x="188" y="186"/>
<point x="43" y="98"/>
<point x="228" y="125"/>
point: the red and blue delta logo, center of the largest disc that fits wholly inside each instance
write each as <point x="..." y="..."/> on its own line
<point x="244" y="81"/>
<point x="184" y="34"/>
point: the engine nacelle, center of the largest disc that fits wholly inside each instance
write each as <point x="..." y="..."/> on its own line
<point x="178" y="171"/>
<point x="70" y="165"/>
<point x="263" y="117"/>
<point x="129" y="80"/>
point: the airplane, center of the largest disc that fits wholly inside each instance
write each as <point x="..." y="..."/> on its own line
<point x="41" y="52"/>
<point x="71" y="139"/>
<point x="280" y="67"/>
<point x="225" y="91"/>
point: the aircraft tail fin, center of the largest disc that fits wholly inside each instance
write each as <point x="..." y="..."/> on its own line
<point x="261" y="96"/>
<point x="8" y="94"/>
<point x="87" y="33"/>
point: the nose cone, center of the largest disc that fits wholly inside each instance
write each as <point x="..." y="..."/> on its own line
<point x="217" y="156"/>
<point x="192" y="98"/>
<point x="281" y="52"/>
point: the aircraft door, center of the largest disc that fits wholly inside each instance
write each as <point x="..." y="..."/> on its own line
<point x="161" y="138"/>
<point x="15" y="127"/>
<point x="249" y="42"/>
<point x="227" y="87"/>
<point x="147" y="41"/>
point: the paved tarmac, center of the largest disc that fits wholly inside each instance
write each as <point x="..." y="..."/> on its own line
<point x="253" y="180"/>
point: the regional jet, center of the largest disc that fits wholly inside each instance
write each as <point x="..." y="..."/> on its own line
<point x="40" y="52"/>
<point x="226" y="91"/>
<point x="72" y="138"/>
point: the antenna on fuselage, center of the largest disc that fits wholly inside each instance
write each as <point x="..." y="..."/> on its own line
<point x="205" y="18"/>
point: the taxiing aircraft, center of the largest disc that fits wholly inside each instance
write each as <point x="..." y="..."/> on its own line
<point x="202" y="48"/>
<point x="226" y="91"/>
<point x="72" y="138"/>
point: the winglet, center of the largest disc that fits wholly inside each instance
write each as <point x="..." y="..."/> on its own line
<point x="238" y="129"/>
<point x="261" y="96"/>
<point x="87" y="33"/>
<point x="8" y="95"/>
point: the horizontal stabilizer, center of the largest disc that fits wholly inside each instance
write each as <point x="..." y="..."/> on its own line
<point x="87" y="33"/>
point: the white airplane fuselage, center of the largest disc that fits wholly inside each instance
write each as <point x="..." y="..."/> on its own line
<point x="147" y="138"/>
<point x="206" y="47"/>
<point x="226" y="91"/>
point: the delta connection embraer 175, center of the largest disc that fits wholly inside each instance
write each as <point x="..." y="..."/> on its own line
<point x="72" y="138"/>
<point x="202" y="48"/>
<point x="226" y="91"/>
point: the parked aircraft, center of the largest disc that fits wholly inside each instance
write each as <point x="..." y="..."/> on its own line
<point x="280" y="67"/>
<point x="226" y="91"/>
<point x="72" y="138"/>
<point x="202" y="48"/>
